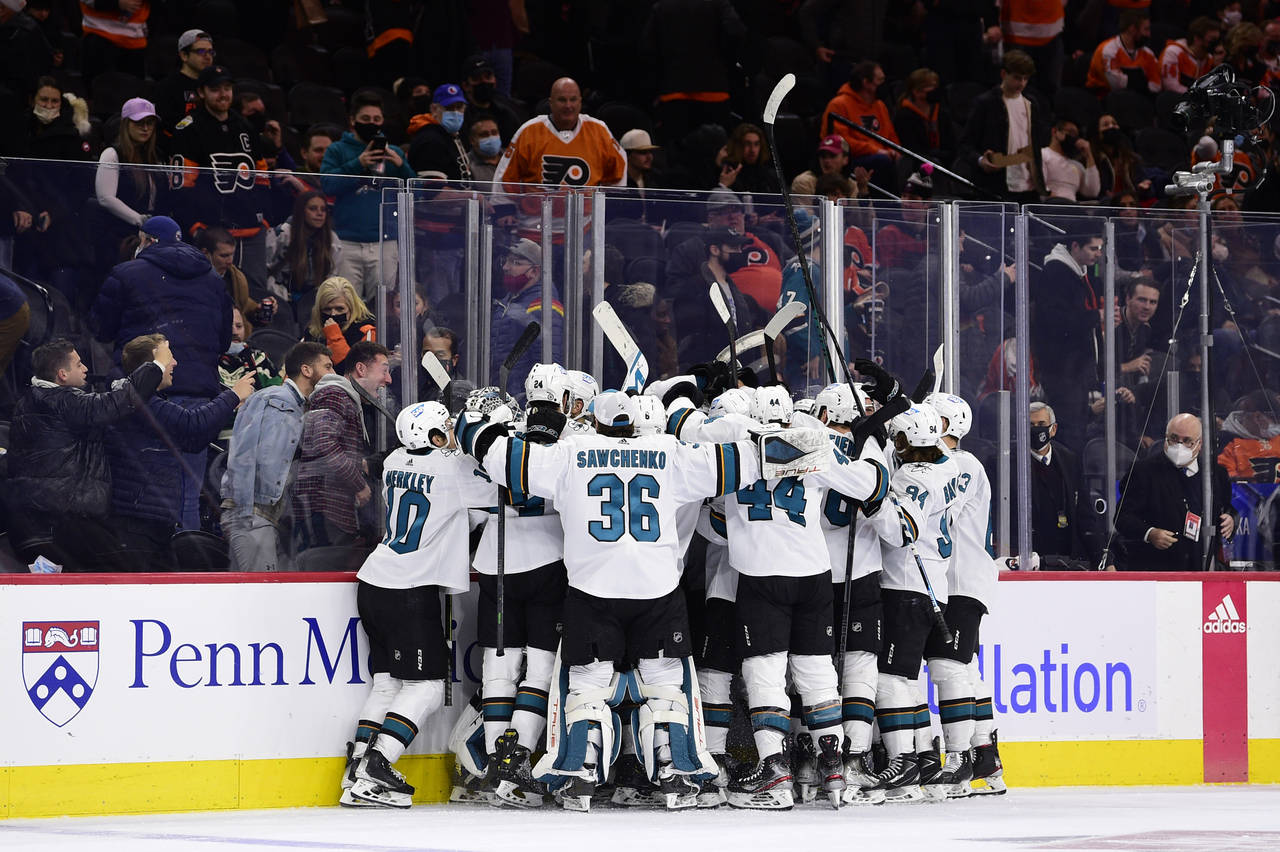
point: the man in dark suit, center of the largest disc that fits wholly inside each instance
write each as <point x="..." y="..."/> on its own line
<point x="1059" y="521"/>
<point x="1163" y="515"/>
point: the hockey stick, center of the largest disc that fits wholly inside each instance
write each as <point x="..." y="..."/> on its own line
<point x="726" y="317"/>
<point x="530" y="334"/>
<point x="624" y="344"/>
<point x="938" y="367"/>
<point x="745" y="343"/>
<point x="451" y="644"/>
<point x="780" y="91"/>
<point x="373" y="400"/>
<point x="938" y="620"/>
<point x="787" y="314"/>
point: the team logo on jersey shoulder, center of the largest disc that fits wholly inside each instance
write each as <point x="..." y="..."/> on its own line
<point x="59" y="666"/>
<point x="232" y="172"/>
<point x="571" y="170"/>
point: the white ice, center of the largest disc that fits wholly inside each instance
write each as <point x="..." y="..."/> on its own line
<point x="1162" y="819"/>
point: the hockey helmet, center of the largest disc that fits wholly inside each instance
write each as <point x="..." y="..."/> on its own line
<point x="956" y="410"/>
<point x="837" y="401"/>
<point x="540" y="385"/>
<point x="732" y="401"/>
<point x="575" y="390"/>
<point x="771" y="404"/>
<point x="919" y="424"/>
<point x="417" y="424"/>
<point x="650" y="415"/>
<point x="805" y="405"/>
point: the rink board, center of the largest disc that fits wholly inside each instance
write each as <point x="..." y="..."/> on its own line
<point x="170" y="693"/>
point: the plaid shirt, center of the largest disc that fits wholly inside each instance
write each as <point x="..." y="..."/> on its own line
<point x="333" y="446"/>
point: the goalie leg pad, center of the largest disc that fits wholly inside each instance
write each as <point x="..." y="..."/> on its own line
<point x="674" y="698"/>
<point x="466" y="740"/>
<point x="582" y="727"/>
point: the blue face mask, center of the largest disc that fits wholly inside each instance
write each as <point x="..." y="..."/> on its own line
<point x="490" y="146"/>
<point x="451" y="121"/>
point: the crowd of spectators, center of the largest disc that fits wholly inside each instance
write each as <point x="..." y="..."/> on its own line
<point x="247" y="147"/>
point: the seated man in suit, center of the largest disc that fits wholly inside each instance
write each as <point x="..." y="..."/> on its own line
<point x="1060" y="521"/>
<point x="1163" y="515"/>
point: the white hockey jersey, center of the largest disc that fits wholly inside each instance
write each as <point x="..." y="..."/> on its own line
<point x="972" y="572"/>
<point x="721" y="579"/>
<point x="925" y="491"/>
<point x="425" y="531"/>
<point x="534" y="537"/>
<point x="618" y="500"/>
<point x="836" y="514"/>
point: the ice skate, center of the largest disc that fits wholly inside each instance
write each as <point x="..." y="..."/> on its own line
<point x="953" y="781"/>
<point x="349" y="779"/>
<point x="766" y="787"/>
<point x="988" y="771"/>
<point x="831" y="768"/>
<point x="860" y="780"/>
<point x="676" y="792"/>
<point x="470" y="789"/>
<point x="805" y="760"/>
<point x="712" y="792"/>
<point x="631" y="786"/>
<point x="576" y="795"/>
<point x="930" y="763"/>
<point x="516" y="784"/>
<point x="379" y="783"/>
<point x="900" y="781"/>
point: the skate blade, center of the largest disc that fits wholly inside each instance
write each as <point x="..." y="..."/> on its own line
<point x="578" y="804"/>
<point x="769" y="800"/>
<point x="510" y="794"/>
<point x="713" y="799"/>
<point x="834" y="797"/>
<point x="461" y="795"/>
<point x="380" y="797"/>
<point x="959" y="790"/>
<point x="934" y="792"/>
<point x="680" y="801"/>
<point x="808" y="793"/>
<point x="904" y="795"/>
<point x="856" y="796"/>
<point x="630" y="797"/>
<point x="349" y="801"/>
<point x="987" y="786"/>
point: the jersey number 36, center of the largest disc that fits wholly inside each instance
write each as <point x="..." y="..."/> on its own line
<point x="624" y="508"/>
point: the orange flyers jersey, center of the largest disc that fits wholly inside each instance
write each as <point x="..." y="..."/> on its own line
<point x="1179" y="69"/>
<point x="1111" y="58"/>
<point x="588" y="155"/>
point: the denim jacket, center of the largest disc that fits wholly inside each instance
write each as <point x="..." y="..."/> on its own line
<point x="266" y="435"/>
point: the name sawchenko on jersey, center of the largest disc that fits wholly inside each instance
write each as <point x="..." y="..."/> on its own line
<point x="654" y="459"/>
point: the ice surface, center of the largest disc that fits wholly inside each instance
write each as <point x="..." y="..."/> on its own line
<point x="1221" y="819"/>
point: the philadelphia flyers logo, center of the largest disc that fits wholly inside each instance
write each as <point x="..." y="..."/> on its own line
<point x="232" y="172"/>
<point x="571" y="170"/>
<point x="870" y="122"/>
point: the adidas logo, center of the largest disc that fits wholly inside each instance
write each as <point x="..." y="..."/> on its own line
<point x="1224" y="618"/>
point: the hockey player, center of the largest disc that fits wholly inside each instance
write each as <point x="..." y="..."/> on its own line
<point x="575" y="391"/>
<point x="923" y="490"/>
<point x="971" y="581"/>
<point x="618" y="497"/>
<point x="427" y="487"/>
<point x="784" y="605"/>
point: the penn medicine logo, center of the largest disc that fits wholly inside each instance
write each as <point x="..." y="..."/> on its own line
<point x="59" y="666"/>
<point x="1224" y="618"/>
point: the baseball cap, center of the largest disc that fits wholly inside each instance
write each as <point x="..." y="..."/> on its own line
<point x="614" y="408"/>
<point x="190" y="37"/>
<point x="136" y="109"/>
<point x="214" y="75"/>
<point x="448" y="95"/>
<point x="722" y="198"/>
<point x="162" y="228"/>
<point x="727" y="237"/>
<point x="638" y="140"/>
<point x="920" y="183"/>
<point x="527" y="250"/>
<point x="833" y="144"/>
<point x="475" y="65"/>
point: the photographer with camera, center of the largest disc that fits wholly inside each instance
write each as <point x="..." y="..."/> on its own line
<point x="357" y="217"/>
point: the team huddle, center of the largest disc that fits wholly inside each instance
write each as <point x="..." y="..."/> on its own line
<point x="845" y="541"/>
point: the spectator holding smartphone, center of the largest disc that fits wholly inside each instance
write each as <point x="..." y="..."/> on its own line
<point x="366" y="260"/>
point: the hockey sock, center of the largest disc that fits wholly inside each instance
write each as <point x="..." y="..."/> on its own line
<point x="859" y="688"/>
<point x="499" y="694"/>
<point x="529" y="717"/>
<point x="815" y="680"/>
<point x="923" y="728"/>
<point x="717" y="707"/>
<point x="955" y="701"/>
<point x="415" y="700"/>
<point x="983" y="719"/>
<point x="375" y="707"/>
<point x="766" y="678"/>
<point x="896" y="714"/>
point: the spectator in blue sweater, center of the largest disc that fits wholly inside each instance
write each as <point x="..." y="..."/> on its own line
<point x="357" y="215"/>
<point x="145" y="455"/>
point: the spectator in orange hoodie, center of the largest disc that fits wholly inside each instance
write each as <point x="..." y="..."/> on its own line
<point x="1253" y="452"/>
<point x="857" y="102"/>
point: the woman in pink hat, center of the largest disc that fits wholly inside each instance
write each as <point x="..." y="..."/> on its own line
<point x="130" y="182"/>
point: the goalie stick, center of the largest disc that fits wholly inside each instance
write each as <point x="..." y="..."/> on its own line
<point x="624" y="344"/>
<point x="786" y="314"/>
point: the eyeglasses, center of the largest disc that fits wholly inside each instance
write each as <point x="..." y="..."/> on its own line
<point x="203" y="51"/>
<point x="1186" y="442"/>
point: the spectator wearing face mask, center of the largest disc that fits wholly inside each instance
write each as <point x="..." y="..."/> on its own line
<point x="1124" y="61"/>
<point x="919" y="119"/>
<point x="521" y="304"/>
<point x="479" y="83"/>
<point x="485" y="139"/>
<point x="1065" y="176"/>
<point x="340" y="319"/>
<point x="437" y="145"/>
<point x="242" y="360"/>
<point x="1185" y="60"/>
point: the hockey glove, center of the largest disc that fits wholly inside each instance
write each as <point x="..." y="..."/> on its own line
<point x="714" y="378"/>
<point x="886" y="388"/>
<point x="476" y="433"/>
<point x="544" y="423"/>
<point x="669" y="390"/>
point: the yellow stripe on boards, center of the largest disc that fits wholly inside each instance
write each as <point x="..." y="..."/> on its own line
<point x="1102" y="763"/>
<point x="1264" y="761"/>
<point x="202" y="785"/>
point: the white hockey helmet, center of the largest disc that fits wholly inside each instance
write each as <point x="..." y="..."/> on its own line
<point x="650" y="415"/>
<point x="416" y="424"/>
<point x="732" y="401"/>
<point x="575" y="386"/>
<point x="955" y="409"/>
<point x="771" y="404"/>
<point x="919" y="424"/>
<point x="837" y="401"/>
<point x="540" y="385"/>
<point x="805" y="405"/>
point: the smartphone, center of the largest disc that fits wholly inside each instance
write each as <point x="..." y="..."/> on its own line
<point x="729" y="165"/>
<point x="378" y="142"/>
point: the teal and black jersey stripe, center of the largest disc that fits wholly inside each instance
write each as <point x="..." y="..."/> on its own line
<point x="882" y="481"/>
<point x="677" y="420"/>
<point x="718" y="525"/>
<point x="518" y="469"/>
<point x="910" y="532"/>
<point x="728" y="469"/>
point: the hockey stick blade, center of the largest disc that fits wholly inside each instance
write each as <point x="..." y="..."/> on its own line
<point x="745" y="343"/>
<point x="937" y="368"/>
<point x="787" y="314"/>
<point x="780" y="91"/>
<point x="530" y="334"/>
<point x="717" y="291"/>
<point x="438" y="373"/>
<point x="624" y="344"/>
